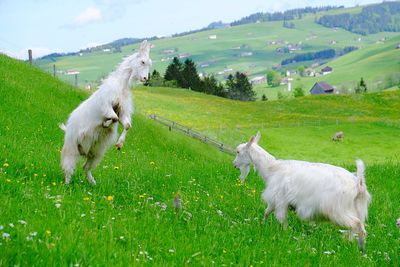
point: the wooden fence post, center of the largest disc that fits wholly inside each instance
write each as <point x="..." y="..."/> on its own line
<point x="30" y="56"/>
<point x="54" y="70"/>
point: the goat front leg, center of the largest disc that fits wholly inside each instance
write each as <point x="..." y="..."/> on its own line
<point x="126" y="123"/>
<point x="110" y="118"/>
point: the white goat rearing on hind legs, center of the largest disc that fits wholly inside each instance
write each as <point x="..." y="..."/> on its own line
<point x="313" y="189"/>
<point x="92" y="127"/>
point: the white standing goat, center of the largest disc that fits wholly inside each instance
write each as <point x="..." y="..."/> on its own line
<point x="92" y="127"/>
<point x="313" y="189"/>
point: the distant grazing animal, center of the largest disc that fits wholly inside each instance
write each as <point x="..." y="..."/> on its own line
<point x="312" y="189"/>
<point x="92" y="127"/>
<point x="338" y="136"/>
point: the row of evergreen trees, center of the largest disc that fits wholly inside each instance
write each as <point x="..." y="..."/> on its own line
<point x="372" y="19"/>
<point x="185" y="75"/>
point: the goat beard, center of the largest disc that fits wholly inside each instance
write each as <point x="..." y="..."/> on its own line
<point x="244" y="171"/>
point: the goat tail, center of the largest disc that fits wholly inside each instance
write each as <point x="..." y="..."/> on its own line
<point x="362" y="187"/>
<point x="363" y="198"/>
<point x="62" y="126"/>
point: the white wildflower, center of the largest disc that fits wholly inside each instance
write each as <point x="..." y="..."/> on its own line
<point x="33" y="234"/>
<point x="163" y="206"/>
<point x="1" y="227"/>
<point x="83" y="215"/>
<point x="58" y="205"/>
<point x="11" y="225"/>
<point x="6" y="236"/>
<point x="171" y="250"/>
<point x="22" y="222"/>
<point x="220" y="213"/>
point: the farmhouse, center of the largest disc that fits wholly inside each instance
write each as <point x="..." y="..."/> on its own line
<point x="322" y="88"/>
<point x="326" y="70"/>
<point x="258" y="80"/>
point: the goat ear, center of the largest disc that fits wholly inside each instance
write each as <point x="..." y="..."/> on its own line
<point x="144" y="47"/>
<point x="251" y="141"/>
<point x="257" y="138"/>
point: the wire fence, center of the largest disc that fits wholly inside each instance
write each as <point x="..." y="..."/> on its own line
<point x="173" y="125"/>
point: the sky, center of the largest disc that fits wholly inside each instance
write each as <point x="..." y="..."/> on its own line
<point x="48" y="26"/>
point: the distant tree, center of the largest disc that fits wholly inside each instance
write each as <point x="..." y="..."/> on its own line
<point x="363" y="85"/>
<point x="155" y="79"/>
<point x="239" y="87"/>
<point x="174" y="71"/>
<point x="301" y="69"/>
<point x="190" y="77"/>
<point x="298" y="91"/>
<point x="210" y="85"/>
<point x="273" y="78"/>
<point x="264" y="98"/>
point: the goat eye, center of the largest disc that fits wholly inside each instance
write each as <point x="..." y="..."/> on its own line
<point x="143" y="62"/>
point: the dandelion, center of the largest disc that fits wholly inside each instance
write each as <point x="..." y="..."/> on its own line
<point x="35" y="174"/>
<point x="48" y="232"/>
<point x="6" y="165"/>
<point x="110" y="198"/>
<point x="22" y="222"/>
<point x="54" y="183"/>
<point x="152" y="163"/>
<point x="86" y="199"/>
<point x="116" y="168"/>
<point x="6" y="236"/>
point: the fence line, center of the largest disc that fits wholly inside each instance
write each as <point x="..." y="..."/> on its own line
<point x="193" y="133"/>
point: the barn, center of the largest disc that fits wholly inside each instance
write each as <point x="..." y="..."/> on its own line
<point x="322" y="88"/>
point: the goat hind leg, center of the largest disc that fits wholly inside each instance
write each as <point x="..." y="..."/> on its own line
<point x="69" y="158"/>
<point x="267" y="212"/>
<point x="91" y="163"/>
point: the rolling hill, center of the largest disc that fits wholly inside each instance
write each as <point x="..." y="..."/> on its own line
<point x="249" y="48"/>
<point x="128" y="218"/>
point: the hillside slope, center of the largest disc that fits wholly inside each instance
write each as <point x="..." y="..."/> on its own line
<point x="250" y="48"/>
<point x="128" y="218"/>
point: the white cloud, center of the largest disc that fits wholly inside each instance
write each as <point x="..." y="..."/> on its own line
<point x="89" y="15"/>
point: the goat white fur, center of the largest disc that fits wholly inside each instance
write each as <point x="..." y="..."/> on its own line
<point x="92" y="127"/>
<point x="313" y="189"/>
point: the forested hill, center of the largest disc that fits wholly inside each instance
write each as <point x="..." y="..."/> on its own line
<point x="384" y="17"/>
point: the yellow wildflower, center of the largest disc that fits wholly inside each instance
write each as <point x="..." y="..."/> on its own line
<point x="152" y="163"/>
<point x="116" y="168"/>
<point x="6" y="165"/>
<point x="54" y="183"/>
<point x="35" y="174"/>
<point x="86" y="199"/>
<point x="8" y="180"/>
<point x="110" y="198"/>
<point x="48" y="232"/>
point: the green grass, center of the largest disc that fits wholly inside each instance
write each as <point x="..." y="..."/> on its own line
<point x="121" y="220"/>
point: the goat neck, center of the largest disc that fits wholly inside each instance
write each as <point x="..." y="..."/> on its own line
<point x="261" y="159"/>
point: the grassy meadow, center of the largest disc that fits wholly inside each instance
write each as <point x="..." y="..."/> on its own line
<point x="128" y="218"/>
